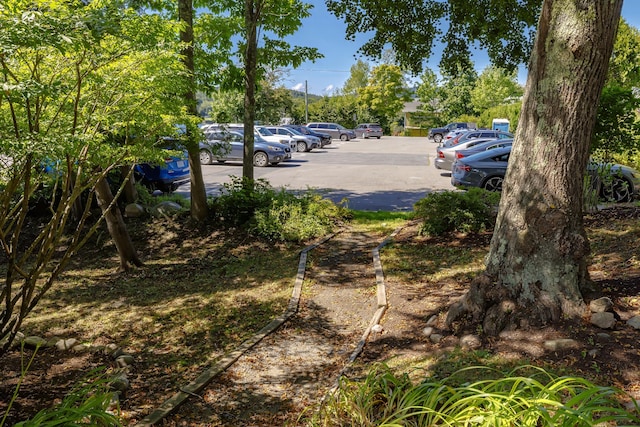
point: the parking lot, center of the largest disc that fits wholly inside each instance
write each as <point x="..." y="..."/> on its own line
<point x="391" y="173"/>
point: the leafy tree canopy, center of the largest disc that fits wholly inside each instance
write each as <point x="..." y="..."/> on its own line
<point x="412" y="28"/>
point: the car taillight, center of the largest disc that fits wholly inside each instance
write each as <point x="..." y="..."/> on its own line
<point x="459" y="155"/>
<point x="168" y="160"/>
<point x="440" y="155"/>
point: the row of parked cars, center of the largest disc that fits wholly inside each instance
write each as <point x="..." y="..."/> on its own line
<point x="272" y="145"/>
<point x="477" y="159"/>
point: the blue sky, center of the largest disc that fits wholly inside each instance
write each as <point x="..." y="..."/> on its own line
<point x="326" y="33"/>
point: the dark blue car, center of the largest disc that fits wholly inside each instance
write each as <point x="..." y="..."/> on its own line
<point x="165" y="177"/>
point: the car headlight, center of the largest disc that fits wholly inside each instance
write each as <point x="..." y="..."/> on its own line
<point x="277" y="149"/>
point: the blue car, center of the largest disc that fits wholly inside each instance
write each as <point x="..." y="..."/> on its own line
<point x="166" y="177"/>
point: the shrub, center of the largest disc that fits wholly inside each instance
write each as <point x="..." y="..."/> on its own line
<point x="469" y="211"/>
<point x="276" y="215"/>
<point x="297" y="218"/>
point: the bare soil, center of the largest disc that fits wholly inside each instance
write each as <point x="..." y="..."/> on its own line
<point x="284" y="375"/>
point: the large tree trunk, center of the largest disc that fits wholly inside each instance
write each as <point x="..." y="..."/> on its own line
<point x="199" y="209"/>
<point x="536" y="270"/>
<point x="251" y="18"/>
<point x="116" y="226"/>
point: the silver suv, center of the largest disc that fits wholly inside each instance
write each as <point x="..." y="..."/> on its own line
<point x="335" y="130"/>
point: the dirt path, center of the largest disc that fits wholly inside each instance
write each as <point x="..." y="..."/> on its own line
<point x="289" y="370"/>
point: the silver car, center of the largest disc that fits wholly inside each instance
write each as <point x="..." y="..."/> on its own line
<point x="335" y="130"/>
<point x="445" y="156"/>
<point x="369" y="130"/>
<point x="223" y="146"/>
<point x="303" y="142"/>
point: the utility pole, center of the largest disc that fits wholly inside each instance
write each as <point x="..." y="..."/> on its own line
<point x="306" y="104"/>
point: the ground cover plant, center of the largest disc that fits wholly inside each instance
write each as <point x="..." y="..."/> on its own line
<point x="204" y="289"/>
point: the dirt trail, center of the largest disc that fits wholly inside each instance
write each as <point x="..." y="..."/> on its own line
<point x="294" y="367"/>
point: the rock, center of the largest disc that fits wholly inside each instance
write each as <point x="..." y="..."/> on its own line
<point x="603" y="320"/>
<point x="432" y="320"/>
<point x="124" y="360"/>
<point x="470" y="341"/>
<point x="66" y="344"/>
<point x="120" y="383"/>
<point x="560" y="344"/>
<point x="376" y="328"/>
<point x="427" y="331"/>
<point x="601" y="305"/>
<point x="134" y="210"/>
<point x="166" y="208"/>
<point x="603" y="337"/>
<point x="34" y="342"/>
<point x="435" y="338"/>
<point x="80" y="348"/>
<point x="593" y="352"/>
<point x="634" y="322"/>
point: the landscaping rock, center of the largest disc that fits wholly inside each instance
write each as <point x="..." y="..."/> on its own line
<point x="427" y="331"/>
<point x="435" y="338"/>
<point x="603" y="320"/>
<point x="634" y="322"/>
<point x="34" y="342"/>
<point x="601" y="305"/>
<point x="561" y="344"/>
<point x="66" y="344"/>
<point x="134" y="210"/>
<point x="166" y="208"/>
<point x="470" y="341"/>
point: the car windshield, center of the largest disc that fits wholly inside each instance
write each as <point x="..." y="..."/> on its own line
<point x="264" y="131"/>
<point x="293" y="131"/>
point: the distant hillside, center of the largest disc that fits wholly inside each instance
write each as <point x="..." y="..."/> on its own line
<point x="299" y="94"/>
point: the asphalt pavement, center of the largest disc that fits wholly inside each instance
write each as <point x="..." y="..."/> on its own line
<point x="389" y="174"/>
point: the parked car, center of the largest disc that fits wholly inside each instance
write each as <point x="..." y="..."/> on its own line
<point x="437" y="134"/>
<point x="369" y="130"/>
<point x="325" y="138"/>
<point x="445" y="156"/>
<point x="490" y="144"/>
<point x="335" y="130"/>
<point x="281" y="139"/>
<point x="481" y="133"/>
<point x="165" y="177"/>
<point x="487" y="169"/>
<point x="303" y="142"/>
<point x="228" y="145"/>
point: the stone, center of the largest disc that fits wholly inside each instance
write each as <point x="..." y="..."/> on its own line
<point x="376" y="328"/>
<point x="561" y="344"/>
<point x="124" y="360"/>
<point x="66" y="344"/>
<point x="603" y="320"/>
<point x="134" y="210"/>
<point x="470" y="341"/>
<point x="432" y="320"/>
<point x="601" y="305"/>
<point x="166" y="208"/>
<point x="602" y="337"/>
<point x="34" y="341"/>
<point x="634" y="322"/>
<point x="435" y="338"/>
<point x="427" y="331"/>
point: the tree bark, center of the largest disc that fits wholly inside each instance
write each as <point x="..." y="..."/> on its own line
<point x="536" y="270"/>
<point x="199" y="208"/>
<point x="116" y="226"/>
<point x="251" y="18"/>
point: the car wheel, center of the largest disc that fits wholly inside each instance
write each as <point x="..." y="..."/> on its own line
<point x="378" y="137"/>
<point x="437" y="138"/>
<point x="221" y="161"/>
<point x="205" y="157"/>
<point x="344" y="137"/>
<point x="260" y="159"/>
<point x="618" y="191"/>
<point x="275" y="163"/>
<point x="301" y="147"/>
<point x="493" y="184"/>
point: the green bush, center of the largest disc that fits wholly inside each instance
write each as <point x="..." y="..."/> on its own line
<point x="276" y="215"/>
<point x="469" y="211"/>
<point x="240" y="199"/>
<point x="297" y="218"/>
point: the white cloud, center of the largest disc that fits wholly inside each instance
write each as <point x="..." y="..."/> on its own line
<point x="329" y="88"/>
<point x="298" y="87"/>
